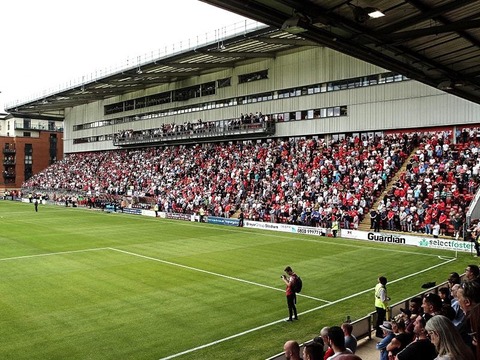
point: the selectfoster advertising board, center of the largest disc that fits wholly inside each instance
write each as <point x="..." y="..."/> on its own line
<point x="421" y="241"/>
<point x="387" y="238"/>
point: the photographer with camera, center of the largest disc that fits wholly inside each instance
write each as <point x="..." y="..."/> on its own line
<point x="289" y="281"/>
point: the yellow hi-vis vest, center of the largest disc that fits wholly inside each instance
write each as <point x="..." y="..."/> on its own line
<point x="378" y="300"/>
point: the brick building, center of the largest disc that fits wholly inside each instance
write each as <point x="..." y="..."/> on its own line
<point x="28" y="145"/>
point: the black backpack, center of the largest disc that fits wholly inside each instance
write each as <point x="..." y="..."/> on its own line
<point x="297" y="285"/>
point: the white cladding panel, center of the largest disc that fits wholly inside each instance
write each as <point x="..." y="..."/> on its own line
<point x="428" y="111"/>
<point x="405" y="104"/>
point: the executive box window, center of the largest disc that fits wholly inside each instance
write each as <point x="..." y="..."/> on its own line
<point x="139" y="103"/>
<point x="221" y="83"/>
<point x="129" y="105"/>
<point x="208" y="88"/>
<point x="254" y="76"/>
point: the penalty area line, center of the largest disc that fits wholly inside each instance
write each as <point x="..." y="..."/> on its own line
<point x="210" y="273"/>
<point x="302" y="313"/>
<point x="53" y="253"/>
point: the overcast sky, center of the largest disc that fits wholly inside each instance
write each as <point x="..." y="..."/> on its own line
<point x="48" y="44"/>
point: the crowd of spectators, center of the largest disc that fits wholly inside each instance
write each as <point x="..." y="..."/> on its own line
<point x="305" y="181"/>
<point x="168" y="130"/>
<point x="433" y="194"/>
<point x="443" y="325"/>
<point x="192" y="128"/>
<point x="310" y="182"/>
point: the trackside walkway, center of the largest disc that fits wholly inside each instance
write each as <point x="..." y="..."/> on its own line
<point x="366" y="349"/>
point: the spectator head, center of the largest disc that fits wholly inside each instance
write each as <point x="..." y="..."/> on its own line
<point x="324" y="333"/>
<point x="398" y="326"/>
<point x="453" y="279"/>
<point x="431" y="304"/>
<point x="406" y="313"/>
<point x="472" y="272"/>
<point x="292" y="350"/>
<point x="336" y="339"/>
<point x="448" y="311"/>
<point x="419" y="326"/>
<point x="387" y="327"/>
<point x="347" y="329"/>
<point x="446" y="338"/>
<point x="324" y="336"/>
<point x="313" y="351"/>
<point x="415" y="305"/>
<point x="454" y="290"/>
<point x="469" y="295"/>
<point x="319" y="340"/>
<point x="444" y="293"/>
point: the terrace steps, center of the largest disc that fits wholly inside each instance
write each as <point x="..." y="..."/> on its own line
<point x="365" y="224"/>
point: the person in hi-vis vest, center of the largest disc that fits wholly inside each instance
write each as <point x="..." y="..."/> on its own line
<point x="381" y="304"/>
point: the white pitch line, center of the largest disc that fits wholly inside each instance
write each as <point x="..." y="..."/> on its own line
<point x="212" y="273"/>
<point x="302" y="313"/>
<point x="50" y="254"/>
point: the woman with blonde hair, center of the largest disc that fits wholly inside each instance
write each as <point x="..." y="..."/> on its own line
<point x="447" y="340"/>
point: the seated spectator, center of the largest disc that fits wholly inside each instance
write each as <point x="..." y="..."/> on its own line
<point x="447" y="339"/>
<point x="319" y="341"/>
<point x="448" y="311"/>
<point x="415" y="306"/>
<point x="292" y="350"/>
<point x="444" y="294"/>
<point x="421" y="348"/>
<point x="406" y="316"/>
<point x="350" y="340"/>
<point x="459" y="314"/>
<point x="313" y="351"/>
<point x="388" y="335"/>
<point x="401" y="339"/>
<point x="471" y="272"/>
<point x="453" y="279"/>
<point x="431" y="305"/>
<point x="336" y="340"/>
<point x="468" y="298"/>
<point x="328" y="350"/>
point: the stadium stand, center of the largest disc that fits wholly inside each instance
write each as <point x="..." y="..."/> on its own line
<point x="282" y="181"/>
<point x="297" y="181"/>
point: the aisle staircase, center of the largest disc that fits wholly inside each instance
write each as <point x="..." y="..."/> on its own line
<point x="365" y="224"/>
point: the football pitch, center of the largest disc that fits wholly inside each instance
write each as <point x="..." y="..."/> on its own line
<point x="83" y="284"/>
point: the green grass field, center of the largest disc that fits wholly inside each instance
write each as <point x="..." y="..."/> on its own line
<point x="82" y="284"/>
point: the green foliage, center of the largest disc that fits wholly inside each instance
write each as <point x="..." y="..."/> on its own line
<point x="82" y="284"/>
